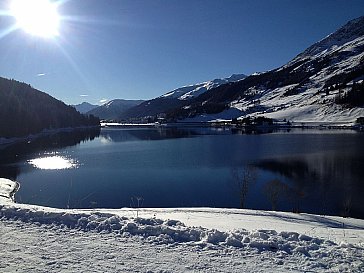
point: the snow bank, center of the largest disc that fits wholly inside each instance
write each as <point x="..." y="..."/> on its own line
<point x="159" y="231"/>
<point x="7" y="189"/>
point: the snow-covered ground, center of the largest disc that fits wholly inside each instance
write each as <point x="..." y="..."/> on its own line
<point x="41" y="239"/>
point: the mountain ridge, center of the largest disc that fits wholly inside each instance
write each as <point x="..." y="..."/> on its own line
<point x="84" y="107"/>
<point x="193" y="91"/>
<point x="113" y="109"/>
<point x="351" y="30"/>
<point x="323" y="83"/>
<point x="164" y="104"/>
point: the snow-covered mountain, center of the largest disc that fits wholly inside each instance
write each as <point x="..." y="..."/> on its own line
<point x="317" y="85"/>
<point x="352" y="30"/>
<point x="84" y="107"/>
<point x="177" y="98"/>
<point x="323" y="83"/>
<point x="193" y="91"/>
<point x="113" y="109"/>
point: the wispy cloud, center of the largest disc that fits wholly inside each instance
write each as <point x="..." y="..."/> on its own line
<point x="41" y="74"/>
<point x="83" y="95"/>
<point x="104" y="100"/>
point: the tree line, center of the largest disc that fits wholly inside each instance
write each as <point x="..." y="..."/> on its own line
<point x="25" y="110"/>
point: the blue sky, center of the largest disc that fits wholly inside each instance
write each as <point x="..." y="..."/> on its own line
<point x="140" y="49"/>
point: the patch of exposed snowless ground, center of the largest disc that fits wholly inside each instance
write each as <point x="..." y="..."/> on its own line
<point x="41" y="239"/>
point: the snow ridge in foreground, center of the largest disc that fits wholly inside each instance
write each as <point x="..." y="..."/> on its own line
<point x="159" y="232"/>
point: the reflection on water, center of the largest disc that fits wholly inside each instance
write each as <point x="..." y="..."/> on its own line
<point x="11" y="155"/>
<point x="301" y="171"/>
<point x="53" y="163"/>
<point x="136" y="134"/>
<point x="328" y="183"/>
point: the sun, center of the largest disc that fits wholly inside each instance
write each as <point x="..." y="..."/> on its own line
<point x="36" y="17"/>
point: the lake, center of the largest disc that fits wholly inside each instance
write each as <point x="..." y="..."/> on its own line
<point x="314" y="171"/>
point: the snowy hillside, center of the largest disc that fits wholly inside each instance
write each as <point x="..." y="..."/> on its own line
<point x="155" y="240"/>
<point x="177" y="98"/>
<point x="349" y="32"/>
<point x="113" y="109"/>
<point x="329" y="70"/>
<point x="325" y="83"/>
<point x="193" y="91"/>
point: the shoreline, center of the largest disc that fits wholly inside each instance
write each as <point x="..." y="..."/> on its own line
<point x="9" y="141"/>
<point x="148" y="210"/>
<point x="308" y="125"/>
<point x="211" y="124"/>
<point x="225" y="220"/>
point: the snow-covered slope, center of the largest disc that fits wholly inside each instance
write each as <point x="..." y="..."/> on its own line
<point x="155" y="240"/>
<point x="318" y="85"/>
<point x="163" y="105"/>
<point x="352" y="30"/>
<point x="113" y="109"/>
<point x="329" y="69"/>
<point x="193" y="91"/>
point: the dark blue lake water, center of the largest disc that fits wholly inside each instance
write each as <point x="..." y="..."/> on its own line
<point x="306" y="171"/>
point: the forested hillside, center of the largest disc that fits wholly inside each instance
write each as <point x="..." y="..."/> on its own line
<point x="25" y="110"/>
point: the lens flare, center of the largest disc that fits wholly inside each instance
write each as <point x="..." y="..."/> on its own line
<point x="36" y="17"/>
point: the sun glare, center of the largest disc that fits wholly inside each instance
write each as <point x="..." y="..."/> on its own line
<point x="53" y="163"/>
<point x="36" y="17"/>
